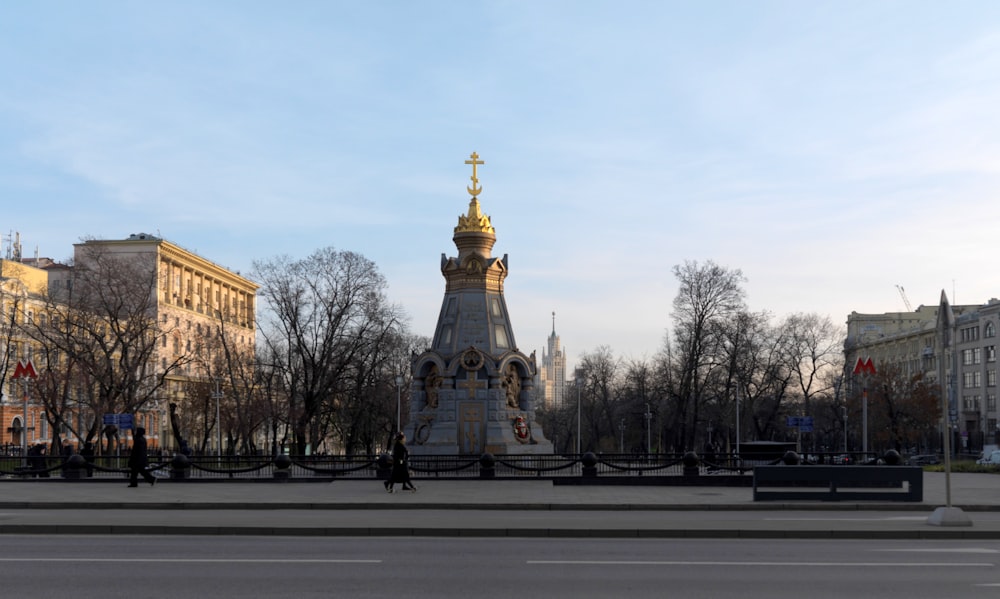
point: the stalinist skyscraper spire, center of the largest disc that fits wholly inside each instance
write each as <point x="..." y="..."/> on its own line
<point x="552" y="374"/>
<point x="473" y="390"/>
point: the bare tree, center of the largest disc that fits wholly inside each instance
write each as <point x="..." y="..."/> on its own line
<point x="599" y="399"/>
<point x="709" y="295"/>
<point x="101" y="337"/>
<point x="903" y="410"/>
<point x="325" y="311"/>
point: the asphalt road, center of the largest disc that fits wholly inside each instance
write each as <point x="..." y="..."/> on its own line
<point x="92" y="567"/>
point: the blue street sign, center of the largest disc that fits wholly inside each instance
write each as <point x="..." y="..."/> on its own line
<point x="122" y="421"/>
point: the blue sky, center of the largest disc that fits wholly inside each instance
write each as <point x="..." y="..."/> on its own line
<point x="829" y="150"/>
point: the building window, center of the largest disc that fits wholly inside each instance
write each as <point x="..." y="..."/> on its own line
<point x="991" y="378"/>
<point x="501" y="335"/>
<point x="967" y="380"/>
<point x="970" y="333"/>
<point x="991" y="405"/>
<point x="966" y="357"/>
<point x="991" y="353"/>
<point x="989" y="330"/>
<point x="970" y="403"/>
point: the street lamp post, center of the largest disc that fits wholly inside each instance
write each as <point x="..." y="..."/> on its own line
<point x="579" y="375"/>
<point x="649" y="441"/>
<point x="843" y="411"/>
<point x="399" y="389"/>
<point x="217" y="396"/>
<point x="621" y="439"/>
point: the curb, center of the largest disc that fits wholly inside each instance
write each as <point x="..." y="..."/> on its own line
<point x="931" y="533"/>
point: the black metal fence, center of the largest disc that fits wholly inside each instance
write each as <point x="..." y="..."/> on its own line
<point x="443" y="467"/>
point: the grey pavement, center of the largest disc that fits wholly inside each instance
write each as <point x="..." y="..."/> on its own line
<point x="481" y="508"/>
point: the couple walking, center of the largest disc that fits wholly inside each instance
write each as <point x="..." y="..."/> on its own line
<point x="400" y="465"/>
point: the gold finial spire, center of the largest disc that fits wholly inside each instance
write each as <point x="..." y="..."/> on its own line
<point x="475" y="221"/>
<point x="475" y="189"/>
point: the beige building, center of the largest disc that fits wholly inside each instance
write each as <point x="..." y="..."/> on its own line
<point x="194" y="298"/>
<point x="193" y="295"/>
<point x="910" y="341"/>
<point x="22" y="298"/>
<point x="552" y="372"/>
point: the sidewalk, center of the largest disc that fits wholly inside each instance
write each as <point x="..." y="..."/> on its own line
<point x="479" y="508"/>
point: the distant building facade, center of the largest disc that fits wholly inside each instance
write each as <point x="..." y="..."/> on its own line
<point x="195" y="299"/>
<point x="909" y="340"/>
<point x="552" y="372"/>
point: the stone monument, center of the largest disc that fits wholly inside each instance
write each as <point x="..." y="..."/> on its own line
<point x="473" y="391"/>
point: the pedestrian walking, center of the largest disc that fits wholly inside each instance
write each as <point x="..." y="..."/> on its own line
<point x="138" y="460"/>
<point x="88" y="454"/>
<point x="400" y="472"/>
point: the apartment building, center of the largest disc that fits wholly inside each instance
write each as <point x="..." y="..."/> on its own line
<point x="195" y="298"/>
<point x="910" y="341"/>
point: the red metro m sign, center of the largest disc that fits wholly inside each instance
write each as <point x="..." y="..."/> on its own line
<point x="24" y="369"/>
<point x="864" y="367"/>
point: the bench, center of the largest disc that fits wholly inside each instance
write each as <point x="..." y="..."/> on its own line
<point x="838" y="483"/>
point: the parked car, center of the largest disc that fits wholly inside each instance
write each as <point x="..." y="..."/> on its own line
<point x="923" y="460"/>
<point x="993" y="459"/>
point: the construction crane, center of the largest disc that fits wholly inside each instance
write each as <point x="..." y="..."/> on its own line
<point x="902" y="293"/>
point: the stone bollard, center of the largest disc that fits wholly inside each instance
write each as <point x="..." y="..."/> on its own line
<point x="179" y="466"/>
<point x="486" y="465"/>
<point x="589" y="463"/>
<point x="892" y="458"/>
<point x="282" y="465"/>
<point x="691" y="463"/>
<point x="791" y="458"/>
<point x="76" y="467"/>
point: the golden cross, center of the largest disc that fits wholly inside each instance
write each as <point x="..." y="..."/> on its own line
<point x="475" y="189"/>
<point x="472" y="383"/>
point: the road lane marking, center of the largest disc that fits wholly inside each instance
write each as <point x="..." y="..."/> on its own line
<point x="184" y="560"/>
<point x="882" y="519"/>
<point x="760" y="564"/>
<point x="941" y="550"/>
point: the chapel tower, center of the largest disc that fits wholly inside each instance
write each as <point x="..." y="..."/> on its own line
<point x="473" y="391"/>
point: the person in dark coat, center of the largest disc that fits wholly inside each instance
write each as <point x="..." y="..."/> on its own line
<point x="137" y="460"/>
<point x="88" y="454"/>
<point x="400" y="465"/>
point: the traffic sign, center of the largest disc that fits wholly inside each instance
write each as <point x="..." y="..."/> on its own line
<point x="122" y="421"/>
<point x="25" y="369"/>
<point x="802" y="422"/>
